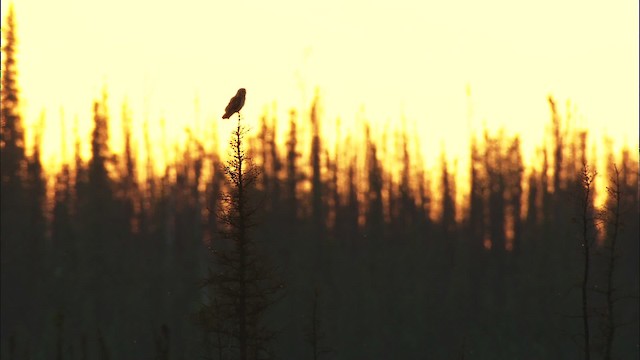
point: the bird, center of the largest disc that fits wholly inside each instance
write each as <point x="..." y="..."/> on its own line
<point x="235" y="104"/>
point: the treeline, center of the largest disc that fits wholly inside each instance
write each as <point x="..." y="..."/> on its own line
<point x="375" y="257"/>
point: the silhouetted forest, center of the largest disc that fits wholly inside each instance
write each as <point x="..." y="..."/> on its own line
<point x="372" y="255"/>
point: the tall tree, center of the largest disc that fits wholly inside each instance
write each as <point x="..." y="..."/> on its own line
<point x="352" y="210"/>
<point x="243" y="284"/>
<point x="514" y="171"/>
<point x="129" y="177"/>
<point x="611" y="216"/>
<point x="448" y="201"/>
<point x="100" y="224"/>
<point x="36" y="229"/>
<point x="586" y="218"/>
<point x="557" y="145"/>
<point x="477" y="197"/>
<point x="12" y="172"/>
<point x="12" y="134"/>
<point x="293" y="176"/>
<point x="317" y="200"/>
<point x="374" y="224"/>
<point x="407" y="214"/>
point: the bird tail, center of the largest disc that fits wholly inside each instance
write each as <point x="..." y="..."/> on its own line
<point x="225" y="116"/>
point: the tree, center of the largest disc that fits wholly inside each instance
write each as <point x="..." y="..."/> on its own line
<point x="293" y="176"/>
<point x="317" y="202"/>
<point x="407" y="213"/>
<point x="557" y="145"/>
<point x="34" y="235"/>
<point x="612" y="218"/>
<point x="242" y="283"/>
<point x="12" y="134"/>
<point x="374" y="225"/>
<point x="477" y="197"/>
<point x="448" y="202"/>
<point x="315" y="335"/>
<point x="129" y="190"/>
<point x="448" y="218"/>
<point x="585" y="203"/>
<point x="13" y="163"/>
<point x="99" y="224"/>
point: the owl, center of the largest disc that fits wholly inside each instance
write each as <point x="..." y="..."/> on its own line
<point x="235" y="104"/>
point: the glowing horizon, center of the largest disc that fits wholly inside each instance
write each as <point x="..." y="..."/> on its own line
<point x="450" y="68"/>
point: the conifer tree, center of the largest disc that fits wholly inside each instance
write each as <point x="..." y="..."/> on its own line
<point x="374" y="225"/>
<point x="477" y="197"/>
<point x="317" y="202"/>
<point x="34" y="233"/>
<point x="448" y="202"/>
<point x="12" y="134"/>
<point x="13" y="225"/>
<point x="243" y="284"/>
<point x="129" y="177"/>
<point x="99" y="225"/>
<point x="407" y="213"/>
<point x="353" y="205"/>
<point x="293" y="174"/>
<point x="586" y="217"/>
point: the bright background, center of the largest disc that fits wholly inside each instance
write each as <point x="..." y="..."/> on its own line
<point x="381" y="60"/>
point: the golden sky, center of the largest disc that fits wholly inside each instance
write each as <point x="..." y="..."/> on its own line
<point x="383" y="60"/>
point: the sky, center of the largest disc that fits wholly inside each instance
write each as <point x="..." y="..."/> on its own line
<point x="448" y="67"/>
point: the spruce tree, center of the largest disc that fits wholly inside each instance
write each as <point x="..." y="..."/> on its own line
<point x="12" y="134"/>
<point x="242" y="284"/>
<point x="13" y="163"/>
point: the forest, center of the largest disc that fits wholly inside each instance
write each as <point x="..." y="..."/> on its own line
<point x="340" y="253"/>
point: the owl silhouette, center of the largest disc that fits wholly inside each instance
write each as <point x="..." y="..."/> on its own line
<point x="235" y="104"/>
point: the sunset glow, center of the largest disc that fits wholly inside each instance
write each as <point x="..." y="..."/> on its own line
<point x="447" y="69"/>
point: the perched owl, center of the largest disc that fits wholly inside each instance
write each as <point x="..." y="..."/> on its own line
<point x="235" y="104"/>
